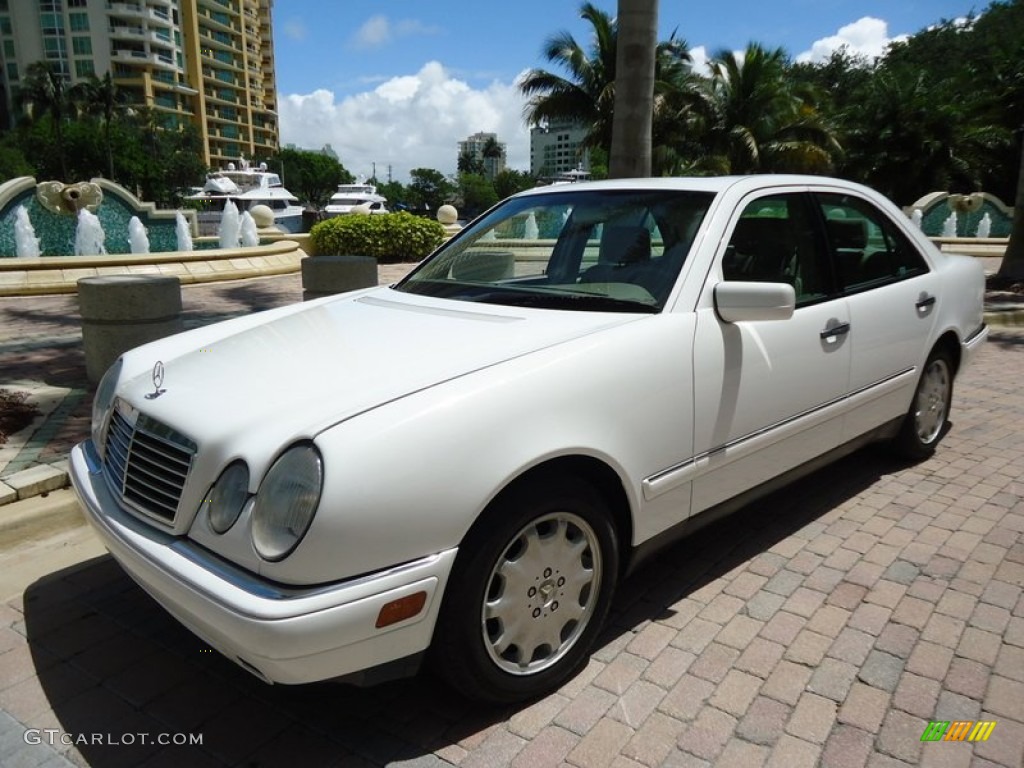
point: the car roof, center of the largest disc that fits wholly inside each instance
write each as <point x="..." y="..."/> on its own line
<point x="714" y="184"/>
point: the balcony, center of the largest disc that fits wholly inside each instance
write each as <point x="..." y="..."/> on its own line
<point x="144" y="58"/>
<point x="121" y="32"/>
<point x="128" y="10"/>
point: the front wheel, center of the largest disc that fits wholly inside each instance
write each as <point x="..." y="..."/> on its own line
<point x="926" y="422"/>
<point x="529" y="593"/>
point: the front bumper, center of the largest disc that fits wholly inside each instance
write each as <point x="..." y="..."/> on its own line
<point x="281" y="634"/>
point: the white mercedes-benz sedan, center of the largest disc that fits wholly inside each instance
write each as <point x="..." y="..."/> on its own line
<point x="460" y="467"/>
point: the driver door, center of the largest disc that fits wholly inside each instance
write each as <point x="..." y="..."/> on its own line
<point x="767" y="393"/>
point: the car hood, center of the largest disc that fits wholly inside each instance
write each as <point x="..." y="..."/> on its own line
<point x="307" y="368"/>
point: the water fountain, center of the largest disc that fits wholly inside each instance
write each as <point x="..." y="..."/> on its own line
<point x="182" y="232"/>
<point x="138" y="238"/>
<point x="228" y="231"/>
<point x="99" y="229"/>
<point x="250" y="237"/>
<point x="949" y="225"/>
<point x="89" y="235"/>
<point x="984" y="226"/>
<point x="26" y="242"/>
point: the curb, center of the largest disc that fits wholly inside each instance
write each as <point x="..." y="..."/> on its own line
<point x="1005" y="317"/>
<point x="39" y="517"/>
<point x="37" y="480"/>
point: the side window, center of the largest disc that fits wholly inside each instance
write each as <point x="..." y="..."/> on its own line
<point x="868" y="249"/>
<point x="774" y="241"/>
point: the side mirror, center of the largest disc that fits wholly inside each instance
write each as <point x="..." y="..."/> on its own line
<point x="736" y="301"/>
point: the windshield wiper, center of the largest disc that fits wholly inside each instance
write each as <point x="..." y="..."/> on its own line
<point x="584" y="302"/>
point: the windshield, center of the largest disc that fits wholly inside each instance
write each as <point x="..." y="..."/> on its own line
<point x="598" y="250"/>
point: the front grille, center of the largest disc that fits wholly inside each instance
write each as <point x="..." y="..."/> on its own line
<point x="147" y="463"/>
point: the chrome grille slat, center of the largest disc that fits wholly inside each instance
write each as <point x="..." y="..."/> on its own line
<point x="147" y="448"/>
<point x="147" y="464"/>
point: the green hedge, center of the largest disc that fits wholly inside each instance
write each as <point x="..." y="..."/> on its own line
<point x="388" y="237"/>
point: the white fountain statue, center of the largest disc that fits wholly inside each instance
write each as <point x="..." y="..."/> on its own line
<point x="250" y="237"/>
<point x="984" y="226"/>
<point x="183" y="233"/>
<point x="26" y="244"/>
<point x="89" y="235"/>
<point x="228" y="231"/>
<point x="949" y="225"/>
<point x="138" y="238"/>
<point x="917" y="217"/>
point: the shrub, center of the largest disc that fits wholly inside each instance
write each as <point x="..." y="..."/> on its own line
<point x="388" y="237"/>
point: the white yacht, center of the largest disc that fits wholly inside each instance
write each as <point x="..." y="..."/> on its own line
<point x="350" y="196"/>
<point x="246" y="186"/>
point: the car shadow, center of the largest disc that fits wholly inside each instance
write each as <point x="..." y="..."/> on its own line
<point x="1006" y="338"/>
<point x="119" y="674"/>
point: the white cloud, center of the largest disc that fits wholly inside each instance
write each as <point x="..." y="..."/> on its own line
<point x="413" y="121"/>
<point x="295" y="29"/>
<point x="700" y="58"/>
<point x="375" y="31"/>
<point x="867" y="36"/>
<point x="378" y="31"/>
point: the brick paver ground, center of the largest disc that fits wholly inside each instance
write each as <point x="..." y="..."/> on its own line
<point x="825" y="625"/>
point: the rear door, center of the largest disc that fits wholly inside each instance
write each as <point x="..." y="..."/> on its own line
<point x="891" y="293"/>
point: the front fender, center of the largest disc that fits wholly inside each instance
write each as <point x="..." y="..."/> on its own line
<point x="410" y="477"/>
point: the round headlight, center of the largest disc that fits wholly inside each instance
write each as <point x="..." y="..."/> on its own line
<point x="286" y="501"/>
<point x="102" y="403"/>
<point x="227" y="496"/>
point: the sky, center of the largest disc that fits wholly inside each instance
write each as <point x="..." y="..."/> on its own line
<point x="393" y="85"/>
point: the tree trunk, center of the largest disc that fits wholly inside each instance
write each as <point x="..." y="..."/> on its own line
<point x="637" y="42"/>
<point x="1012" y="266"/>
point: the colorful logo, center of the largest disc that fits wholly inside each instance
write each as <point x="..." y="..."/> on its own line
<point x="958" y="730"/>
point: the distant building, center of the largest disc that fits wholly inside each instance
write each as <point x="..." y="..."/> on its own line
<point x="486" y="148"/>
<point x="557" y="148"/>
<point x="209" y="63"/>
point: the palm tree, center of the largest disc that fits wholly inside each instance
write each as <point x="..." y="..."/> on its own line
<point x="903" y="138"/>
<point x="754" y="121"/>
<point x="1012" y="265"/>
<point x="44" y="91"/>
<point x="633" y="114"/>
<point x="101" y="97"/>
<point x="587" y="94"/>
<point x="469" y="163"/>
<point x="491" y="152"/>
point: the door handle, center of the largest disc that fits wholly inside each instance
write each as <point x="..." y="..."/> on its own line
<point x="840" y="329"/>
<point x="924" y="302"/>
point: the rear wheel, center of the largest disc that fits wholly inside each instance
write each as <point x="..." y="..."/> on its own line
<point x="529" y="593"/>
<point x="926" y="422"/>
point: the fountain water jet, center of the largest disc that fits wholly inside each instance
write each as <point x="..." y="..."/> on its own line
<point x="250" y="237"/>
<point x="532" y="231"/>
<point x="25" y="241"/>
<point x="89" y="235"/>
<point x="949" y="225"/>
<point x="228" y="231"/>
<point x="984" y="226"/>
<point x="183" y="233"/>
<point x="138" y="239"/>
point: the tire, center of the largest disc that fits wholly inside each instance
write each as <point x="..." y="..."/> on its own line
<point x="529" y="592"/>
<point x="927" y="421"/>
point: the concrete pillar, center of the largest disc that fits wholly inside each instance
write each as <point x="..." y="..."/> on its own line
<point x="120" y="312"/>
<point x="327" y="275"/>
